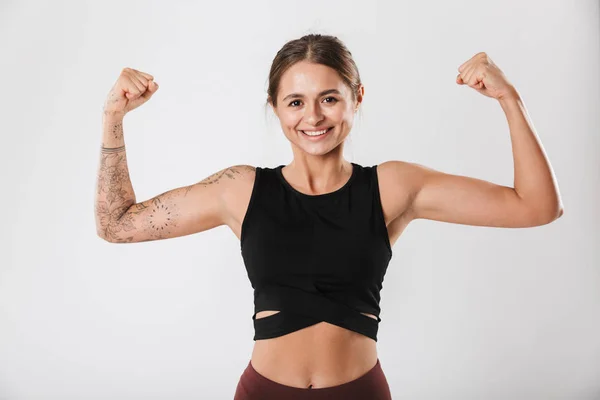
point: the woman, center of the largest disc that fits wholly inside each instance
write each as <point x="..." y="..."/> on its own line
<point x="316" y="235"/>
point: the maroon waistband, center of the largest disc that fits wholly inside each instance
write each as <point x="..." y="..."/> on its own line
<point x="372" y="385"/>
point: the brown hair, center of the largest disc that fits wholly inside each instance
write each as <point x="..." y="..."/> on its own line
<point x="319" y="49"/>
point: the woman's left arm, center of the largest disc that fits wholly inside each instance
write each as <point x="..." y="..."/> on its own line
<point x="534" y="200"/>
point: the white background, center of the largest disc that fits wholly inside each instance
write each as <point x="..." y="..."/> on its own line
<point x="467" y="312"/>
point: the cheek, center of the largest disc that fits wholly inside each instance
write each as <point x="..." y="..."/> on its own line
<point x="336" y="117"/>
<point x="345" y="115"/>
<point x="348" y="123"/>
<point x="290" y="120"/>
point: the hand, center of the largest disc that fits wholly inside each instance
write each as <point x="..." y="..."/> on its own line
<point x="132" y="89"/>
<point x="483" y="75"/>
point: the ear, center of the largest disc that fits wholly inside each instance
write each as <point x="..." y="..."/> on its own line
<point x="359" y="96"/>
<point x="272" y="106"/>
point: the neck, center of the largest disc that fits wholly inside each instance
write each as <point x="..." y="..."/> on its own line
<point x="318" y="176"/>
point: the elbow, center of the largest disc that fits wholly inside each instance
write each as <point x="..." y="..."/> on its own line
<point x="542" y="210"/>
<point x="558" y="212"/>
<point x="103" y="237"/>
<point x="548" y="217"/>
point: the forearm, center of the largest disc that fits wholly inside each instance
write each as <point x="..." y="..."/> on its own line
<point x="534" y="180"/>
<point x="114" y="192"/>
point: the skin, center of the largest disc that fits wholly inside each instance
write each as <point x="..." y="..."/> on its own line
<point x="324" y="354"/>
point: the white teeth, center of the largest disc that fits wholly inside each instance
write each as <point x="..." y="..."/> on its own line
<point x="315" y="133"/>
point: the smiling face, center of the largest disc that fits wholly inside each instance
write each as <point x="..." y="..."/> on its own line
<point x="313" y="97"/>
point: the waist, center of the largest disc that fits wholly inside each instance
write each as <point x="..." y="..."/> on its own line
<point x="322" y="355"/>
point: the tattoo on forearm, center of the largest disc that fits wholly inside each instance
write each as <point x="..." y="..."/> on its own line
<point x="117" y="130"/>
<point x="115" y="190"/>
<point x="109" y="150"/>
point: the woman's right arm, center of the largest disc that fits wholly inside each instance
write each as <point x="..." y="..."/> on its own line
<point x="178" y="212"/>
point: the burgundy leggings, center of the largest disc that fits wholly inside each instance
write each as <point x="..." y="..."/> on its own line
<point x="373" y="386"/>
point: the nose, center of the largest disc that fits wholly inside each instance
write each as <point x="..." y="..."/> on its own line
<point x="313" y="114"/>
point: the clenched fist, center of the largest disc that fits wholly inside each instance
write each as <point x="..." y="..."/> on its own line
<point x="481" y="74"/>
<point x="132" y="89"/>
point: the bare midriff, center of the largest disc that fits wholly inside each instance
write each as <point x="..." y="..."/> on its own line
<point x="319" y="356"/>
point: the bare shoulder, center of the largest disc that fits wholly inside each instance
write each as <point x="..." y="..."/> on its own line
<point x="242" y="174"/>
<point x="399" y="182"/>
<point x="236" y="196"/>
<point x="239" y="173"/>
<point x="240" y="183"/>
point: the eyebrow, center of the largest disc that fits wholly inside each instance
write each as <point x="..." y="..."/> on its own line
<point x="298" y="95"/>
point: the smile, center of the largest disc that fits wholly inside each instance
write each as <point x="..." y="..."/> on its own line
<point x="317" y="134"/>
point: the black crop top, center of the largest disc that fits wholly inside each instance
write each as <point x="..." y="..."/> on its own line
<point x="315" y="257"/>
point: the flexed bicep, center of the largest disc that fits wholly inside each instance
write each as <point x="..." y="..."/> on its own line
<point x="465" y="200"/>
<point x="177" y="212"/>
